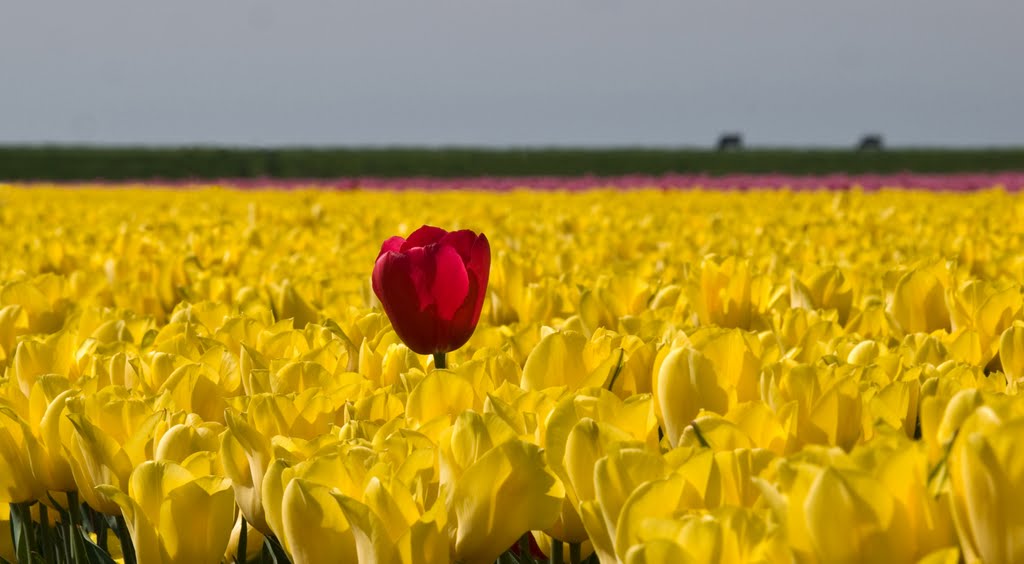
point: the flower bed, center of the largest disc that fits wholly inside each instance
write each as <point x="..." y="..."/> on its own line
<point x="657" y="375"/>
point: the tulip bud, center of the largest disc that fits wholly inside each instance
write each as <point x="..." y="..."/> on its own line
<point x="432" y="286"/>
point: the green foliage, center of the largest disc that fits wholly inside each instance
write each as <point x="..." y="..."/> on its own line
<point x="85" y="163"/>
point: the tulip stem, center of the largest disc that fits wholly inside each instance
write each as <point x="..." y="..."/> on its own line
<point x="243" y="541"/>
<point x="76" y="530"/>
<point x="49" y="552"/>
<point x="524" y="548"/>
<point x="274" y="550"/>
<point x="574" y="553"/>
<point x="556" y="552"/>
<point x="100" y="526"/>
<point x="440" y="360"/>
<point x="125" y="538"/>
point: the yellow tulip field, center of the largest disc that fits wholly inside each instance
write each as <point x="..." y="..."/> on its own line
<point x="205" y="374"/>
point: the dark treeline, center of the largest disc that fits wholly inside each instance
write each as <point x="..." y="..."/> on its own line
<point x="86" y="163"/>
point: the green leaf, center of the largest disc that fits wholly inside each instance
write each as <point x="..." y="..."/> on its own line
<point x="47" y="541"/>
<point x="78" y="551"/>
<point x="273" y="551"/>
<point x="96" y="555"/>
<point x="508" y="558"/>
<point x="148" y="339"/>
<point x="243" y="541"/>
<point x="21" y="524"/>
<point x="124" y="537"/>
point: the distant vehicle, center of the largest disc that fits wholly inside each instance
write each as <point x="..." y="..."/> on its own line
<point x="871" y="142"/>
<point x="730" y="142"/>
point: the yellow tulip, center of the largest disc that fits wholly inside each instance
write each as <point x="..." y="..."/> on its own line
<point x="50" y="431"/>
<point x="872" y="322"/>
<point x="897" y="405"/>
<point x="314" y="524"/>
<point x="13" y="323"/>
<point x="686" y="384"/>
<point x="836" y="509"/>
<point x="439" y="398"/>
<point x="245" y="455"/>
<point x="828" y="400"/>
<point x="632" y="420"/>
<point x="731" y="482"/>
<point x="17" y="484"/>
<point x="588" y="442"/>
<point x="986" y="308"/>
<point x="391" y="528"/>
<point x="517" y="292"/>
<point x="566" y="358"/>
<point x="827" y="289"/>
<point x="305" y="415"/>
<point x="111" y="432"/>
<point x="180" y="440"/>
<point x="52" y="355"/>
<point x="288" y="304"/>
<point x="396" y="360"/>
<point x="919" y="302"/>
<point x="727" y="535"/>
<point x="766" y="429"/>
<point x="174" y="516"/>
<point x="850" y="519"/>
<point x="806" y="335"/>
<point x="612" y="299"/>
<point x="486" y="469"/>
<point x="902" y="466"/>
<point x="986" y="473"/>
<point x="341" y="467"/>
<point x="615" y="478"/>
<point x="727" y="293"/>
<point x="1011" y="351"/>
<point x="196" y="388"/>
<point x="718" y="369"/>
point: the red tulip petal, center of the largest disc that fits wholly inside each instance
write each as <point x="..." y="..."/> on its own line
<point x="393" y="283"/>
<point x="423" y="236"/>
<point x="479" y="266"/>
<point x="465" y="319"/>
<point x="422" y="271"/>
<point x="394" y="244"/>
<point x="451" y="282"/>
<point x="479" y="262"/>
<point x="462" y="241"/>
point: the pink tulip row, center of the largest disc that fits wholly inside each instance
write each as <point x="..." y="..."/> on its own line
<point x="1012" y="181"/>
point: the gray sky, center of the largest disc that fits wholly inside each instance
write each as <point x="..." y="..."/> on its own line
<point x="516" y="72"/>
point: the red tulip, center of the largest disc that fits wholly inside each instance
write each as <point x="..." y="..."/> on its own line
<point x="432" y="286"/>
